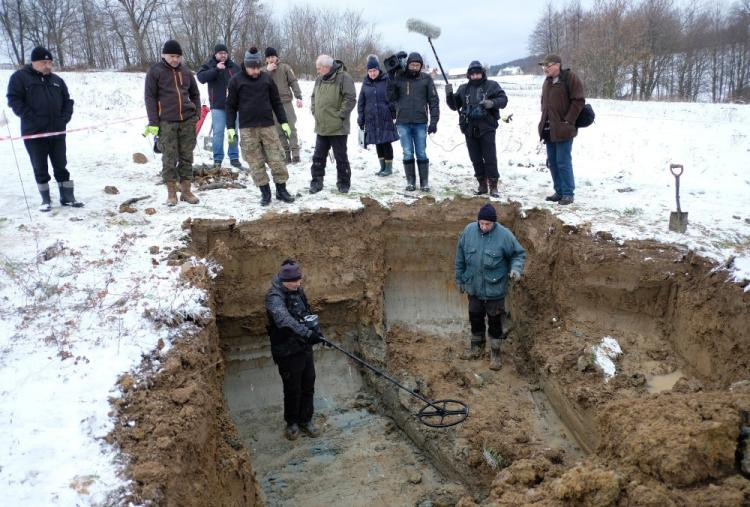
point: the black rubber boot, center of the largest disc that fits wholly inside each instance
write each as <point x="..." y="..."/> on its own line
<point x="493" y="187"/>
<point x="282" y="194"/>
<point x="46" y="201"/>
<point x="66" y="194"/>
<point x="482" y="187"/>
<point x="424" y="174"/>
<point x="265" y="193"/>
<point x="382" y="167"/>
<point x="388" y="170"/>
<point x="411" y="175"/>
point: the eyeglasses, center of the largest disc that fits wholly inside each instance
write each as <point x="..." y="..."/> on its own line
<point x="548" y="65"/>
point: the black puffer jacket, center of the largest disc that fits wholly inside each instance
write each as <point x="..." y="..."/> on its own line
<point x="217" y="80"/>
<point x="414" y="96"/>
<point x="474" y="119"/>
<point x="286" y="310"/>
<point x="42" y="102"/>
<point x="255" y="99"/>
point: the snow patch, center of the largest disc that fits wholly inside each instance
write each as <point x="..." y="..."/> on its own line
<point x="605" y="354"/>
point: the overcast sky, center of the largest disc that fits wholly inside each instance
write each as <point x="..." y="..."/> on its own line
<point x="490" y="31"/>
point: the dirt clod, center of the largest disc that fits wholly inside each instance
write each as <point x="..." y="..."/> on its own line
<point x="139" y="158"/>
<point x="112" y="190"/>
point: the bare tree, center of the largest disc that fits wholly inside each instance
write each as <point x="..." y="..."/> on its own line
<point x="13" y="19"/>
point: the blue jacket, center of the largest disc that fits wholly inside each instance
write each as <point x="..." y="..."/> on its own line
<point x="374" y="112"/>
<point x="483" y="261"/>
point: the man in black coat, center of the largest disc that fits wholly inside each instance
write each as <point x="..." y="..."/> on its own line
<point x="40" y="98"/>
<point x="216" y="72"/>
<point x="291" y="347"/>
<point x="478" y="103"/>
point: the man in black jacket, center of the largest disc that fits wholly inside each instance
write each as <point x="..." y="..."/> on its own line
<point x="254" y="97"/>
<point x="291" y="347"/>
<point x="217" y="71"/>
<point x="478" y="103"/>
<point x="413" y="92"/>
<point x="40" y="98"/>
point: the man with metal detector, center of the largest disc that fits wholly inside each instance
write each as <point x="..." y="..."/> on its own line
<point x="478" y="103"/>
<point x="414" y="93"/>
<point x="487" y="256"/>
<point x="291" y="347"/>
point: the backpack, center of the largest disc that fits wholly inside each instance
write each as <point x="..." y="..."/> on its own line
<point x="586" y="116"/>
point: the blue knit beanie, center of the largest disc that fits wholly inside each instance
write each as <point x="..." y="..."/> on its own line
<point x="373" y="62"/>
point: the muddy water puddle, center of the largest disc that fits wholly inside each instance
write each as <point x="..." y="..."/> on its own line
<point x="660" y="383"/>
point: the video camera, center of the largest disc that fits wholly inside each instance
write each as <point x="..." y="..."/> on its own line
<point x="395" y="63"/>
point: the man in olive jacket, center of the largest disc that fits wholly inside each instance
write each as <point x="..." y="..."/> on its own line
<point x="562" y="102"/>
<point x="172" y="104"/>
<point x="487" y="255"/>
<point x="286" y="82"/>
<point x="332" y="101"/>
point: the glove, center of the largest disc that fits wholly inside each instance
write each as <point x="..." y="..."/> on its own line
<point x="314" y="337"/>
<point x="432" y="129"/>
<point x="508" y="119"/>
<point x="449" y="89"/>
<point x="151" y="130"/>
<point x="287" y="130"/>
<point x="515" y="275"/>
<point x="488" y="104"/>
<point x="231" y="135"/>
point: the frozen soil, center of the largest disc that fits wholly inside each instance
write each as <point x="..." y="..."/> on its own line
<point x="664" y="430"/>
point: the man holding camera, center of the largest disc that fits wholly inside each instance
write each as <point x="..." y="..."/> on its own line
<point x="414" y="93"/>
<point x="478" y="103"/>
<point x="291" y="347"/>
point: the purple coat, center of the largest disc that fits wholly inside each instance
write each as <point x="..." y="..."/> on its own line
<point x="374" y="112"/>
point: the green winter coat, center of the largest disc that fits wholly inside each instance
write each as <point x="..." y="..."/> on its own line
<point x="333" y="99"/>
<point x="483" y="261"/>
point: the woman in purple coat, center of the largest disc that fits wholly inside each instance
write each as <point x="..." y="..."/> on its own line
<point x="375" y="115"/>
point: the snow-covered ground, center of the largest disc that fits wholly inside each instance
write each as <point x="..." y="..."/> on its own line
<point x="82" y="297"/>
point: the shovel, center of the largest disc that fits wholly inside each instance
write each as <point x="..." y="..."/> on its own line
<point x="678" y="220"/>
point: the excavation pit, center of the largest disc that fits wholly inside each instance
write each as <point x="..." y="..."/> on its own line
<point x="549" y="427"/>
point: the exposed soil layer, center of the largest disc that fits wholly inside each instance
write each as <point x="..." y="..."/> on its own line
<point x="664" y="430"/>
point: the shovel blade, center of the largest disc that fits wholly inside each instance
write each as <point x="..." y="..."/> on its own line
<point x="678" y="221"/>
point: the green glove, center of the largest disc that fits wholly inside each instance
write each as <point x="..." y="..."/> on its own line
<point x="151" y="130"/>
<point x="230" y="135"/>
<point x="286" y="129"/>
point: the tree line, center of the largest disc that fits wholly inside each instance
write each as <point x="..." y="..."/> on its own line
<point x="128" y="34"/>
<point x="652" y="49"/>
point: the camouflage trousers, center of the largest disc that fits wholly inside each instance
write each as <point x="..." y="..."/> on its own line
<point x="177" y="142"/>
<point x="291" y="144"/>
<point x="261" y="146"/>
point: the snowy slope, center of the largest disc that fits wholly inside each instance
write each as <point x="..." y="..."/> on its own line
<point x="73" y="323"/>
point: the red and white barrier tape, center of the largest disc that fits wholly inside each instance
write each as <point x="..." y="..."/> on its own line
<point x="79" y="129"/>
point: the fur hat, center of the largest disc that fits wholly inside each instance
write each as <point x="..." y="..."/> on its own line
<point x="171" y="47"/>
<point x="373" y="62"/>
<point x="252" y="57"/>
<point x="40" y="53"/>
<point x="487" y="212"/>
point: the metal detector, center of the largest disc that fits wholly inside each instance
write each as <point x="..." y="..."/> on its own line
<point x="435" y="413"/>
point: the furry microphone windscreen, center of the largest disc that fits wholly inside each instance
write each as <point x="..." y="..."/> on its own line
<point x="426" y="29"/>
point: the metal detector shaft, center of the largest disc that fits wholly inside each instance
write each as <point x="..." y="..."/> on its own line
<point x="438" y="60"/>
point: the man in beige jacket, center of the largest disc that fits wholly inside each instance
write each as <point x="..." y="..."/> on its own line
<point x="286" y="82"/>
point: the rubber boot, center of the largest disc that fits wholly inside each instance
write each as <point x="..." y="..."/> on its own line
<point x="265" y="195"/>
<point x="186" y="195"/>
<point x="46" y="201"/>
<point x="310" y="429"/>
<point x="282" y="194"/>
<point x="66" y="194"/>
<point x="382" y="167"/>
<point x="475" y="348"/>
<point x="388" y="170"/>
<point x="482" y="186"/>
<point x="493" y="187"/>
<point x="424" y="173"/>
<point x="292" y="431"/>
<point x="411" y="175"/>
<point x="495" y="354"/>
<point x="171" y="193"/>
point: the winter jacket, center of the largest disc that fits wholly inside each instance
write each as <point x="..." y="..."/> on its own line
<point x="333" y="99"/>
<point x="474" y="119"/>
<point x="483" y="260"/>
<point x="285" y="80"/>
<point x="413" y="96"/>
<point x="217" y="80"/>
<point x="42" y="102"/>
<point x="256" y="99"/>
<point x="374" y="112"/>
<point x="559" y="107"/>
<point x="171" y="93"/>
<point x="286" y="310"/>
